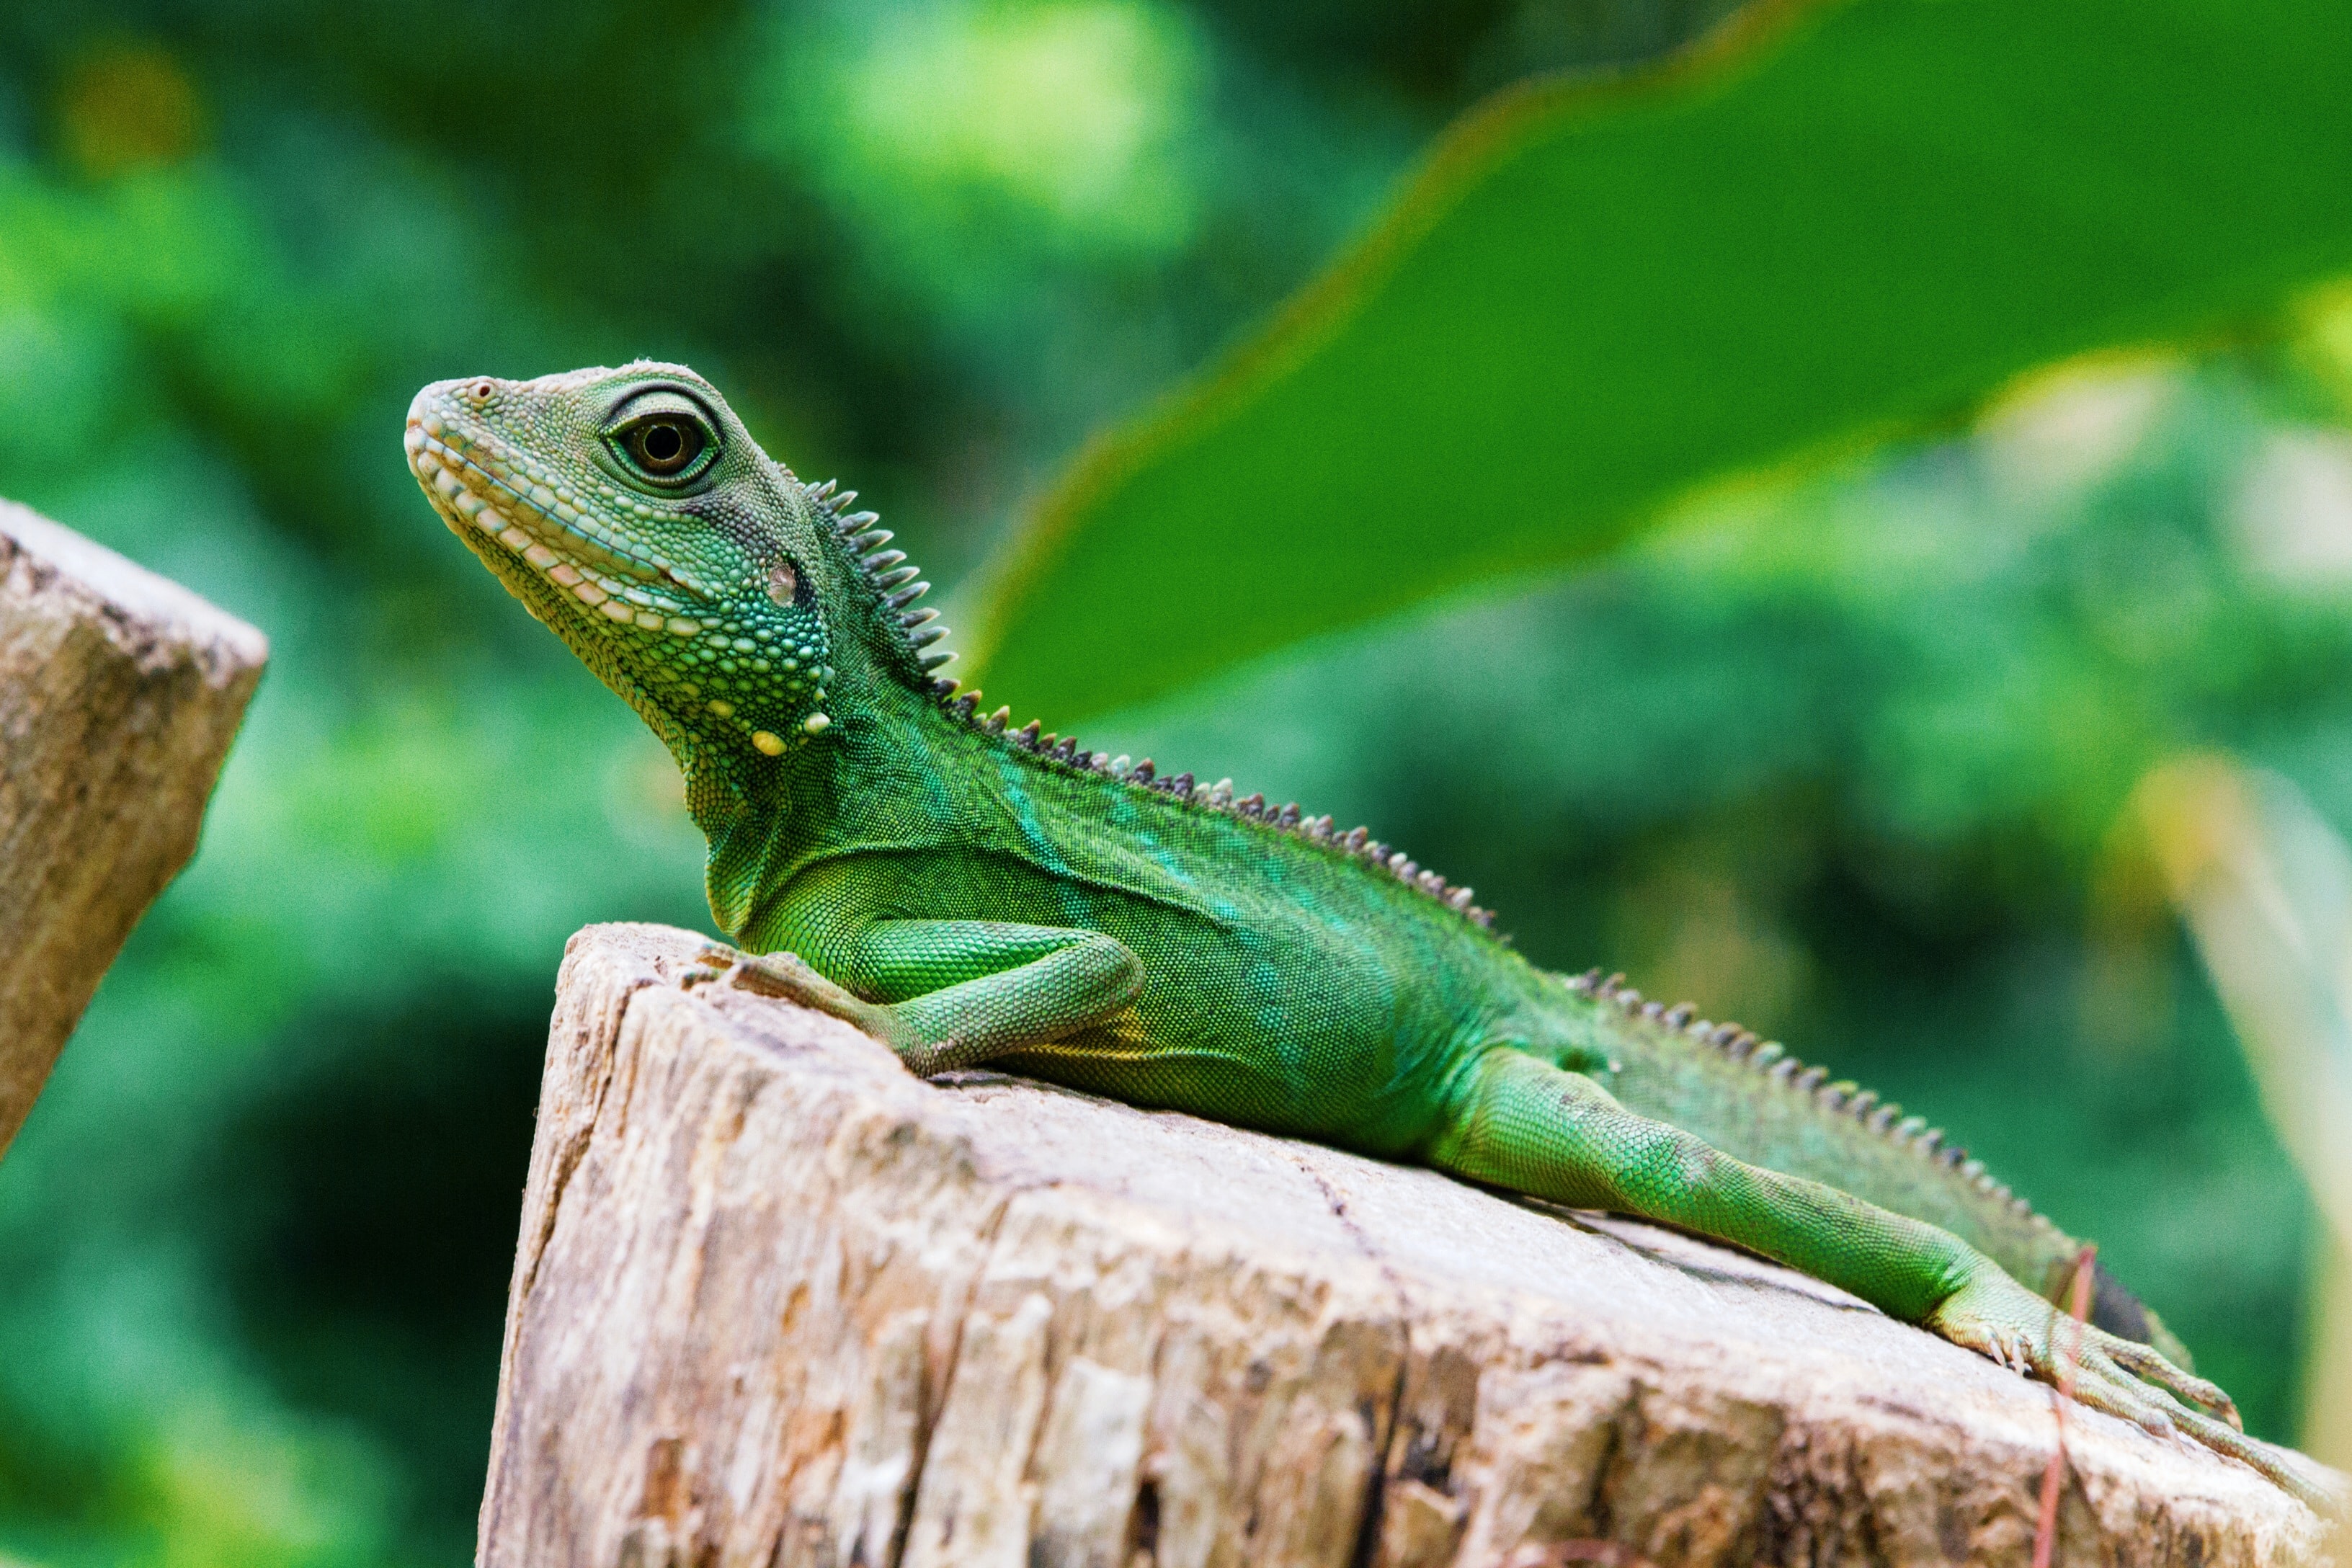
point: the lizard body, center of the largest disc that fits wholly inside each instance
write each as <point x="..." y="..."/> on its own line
<point x="971" y="893"/>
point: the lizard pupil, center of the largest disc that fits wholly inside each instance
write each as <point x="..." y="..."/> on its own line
<point x="665" y="445"/>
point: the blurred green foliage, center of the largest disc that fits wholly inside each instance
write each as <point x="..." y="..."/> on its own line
<point x="1842" y="756"/>
<point x="1840" y="221"/>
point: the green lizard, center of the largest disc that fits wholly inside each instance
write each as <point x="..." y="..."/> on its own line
<point x="968" y="893"/>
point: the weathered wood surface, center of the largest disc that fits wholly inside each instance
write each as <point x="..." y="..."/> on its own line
<point x="777" y="1303"/>
<point x="119" y="693"/>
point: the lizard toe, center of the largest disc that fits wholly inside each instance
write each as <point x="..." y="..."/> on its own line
<point x="2153" y="1368"/>
<point x="2106" y="1388"/>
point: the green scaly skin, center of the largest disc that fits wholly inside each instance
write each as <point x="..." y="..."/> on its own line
<point x="974" y="894"/>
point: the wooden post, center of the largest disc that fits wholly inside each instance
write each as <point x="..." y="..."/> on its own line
<point x="778" y="1302"/>
<point x="120" y="692"/>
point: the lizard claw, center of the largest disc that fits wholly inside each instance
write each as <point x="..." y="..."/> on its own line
<point x="790" y="977"/>
<point x="711" y="966"/>
<point x="2153" y="1366"/>
<point x="1996" y="1316"/>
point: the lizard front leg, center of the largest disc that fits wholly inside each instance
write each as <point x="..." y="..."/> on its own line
<point x="1526" y="1125"/>
<point x="952" y="993"/>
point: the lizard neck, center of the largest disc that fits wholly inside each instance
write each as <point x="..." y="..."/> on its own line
<point x="883" y="774"/>
<point x="906" y="763"/>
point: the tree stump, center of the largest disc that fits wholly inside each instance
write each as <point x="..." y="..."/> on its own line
<point x="778" y="1302"/>
<point x="119" y="693"/>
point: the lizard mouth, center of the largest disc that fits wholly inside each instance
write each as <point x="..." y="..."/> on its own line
<point x="523" y="521"/>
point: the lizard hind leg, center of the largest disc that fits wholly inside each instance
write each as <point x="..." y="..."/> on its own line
<point x="1524" y="1124"/>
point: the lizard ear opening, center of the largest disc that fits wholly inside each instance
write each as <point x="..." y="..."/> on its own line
<point x="783" y="583"/>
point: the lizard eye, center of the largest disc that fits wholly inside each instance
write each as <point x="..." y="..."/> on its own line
<point x="664" y="437"/>
<point x="664" y="446"/>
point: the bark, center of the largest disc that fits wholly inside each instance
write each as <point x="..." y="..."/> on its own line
<point x="778" y="1302"/>
<point x="120" y="692"/>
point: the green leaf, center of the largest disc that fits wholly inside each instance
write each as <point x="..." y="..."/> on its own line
<point x="1832" y="225"/>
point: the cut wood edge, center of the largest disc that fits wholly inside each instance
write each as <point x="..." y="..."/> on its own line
<point x="777" y="1301"/>
<point x="119" y="694"/>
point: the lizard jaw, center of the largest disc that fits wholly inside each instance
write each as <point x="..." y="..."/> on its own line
<point x="483" y="491"/>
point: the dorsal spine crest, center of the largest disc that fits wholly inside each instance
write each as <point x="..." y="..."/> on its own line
<point x="896" y="584"/>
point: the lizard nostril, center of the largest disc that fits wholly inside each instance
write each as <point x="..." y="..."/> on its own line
<point x="483" y="391"/>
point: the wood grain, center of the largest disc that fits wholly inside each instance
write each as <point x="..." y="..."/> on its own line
<point x="119" y="693"/>
<point x="779" y="1302"/>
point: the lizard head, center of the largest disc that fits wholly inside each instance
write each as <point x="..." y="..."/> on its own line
<point x="632" y="513"/>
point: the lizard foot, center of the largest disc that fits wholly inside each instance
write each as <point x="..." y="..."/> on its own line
<point x="1995" y="1316"/>
<point x="711" y="966"/>
<point x="789" y="976"/>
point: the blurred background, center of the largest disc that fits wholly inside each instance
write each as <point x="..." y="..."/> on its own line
<point x="1883" y="757"/>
